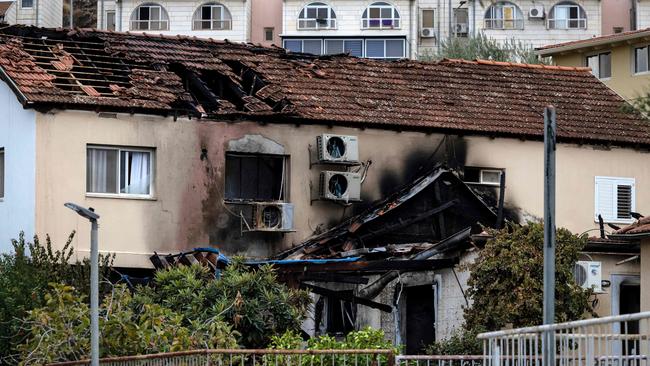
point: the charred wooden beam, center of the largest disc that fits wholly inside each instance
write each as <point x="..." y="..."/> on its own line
<point x="334" y="277"/>
<point x="347" y="296"/>
<point x="369" y="266"/>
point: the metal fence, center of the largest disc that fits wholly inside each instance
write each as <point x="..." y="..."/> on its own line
<point x="252" y="357"/>
<point x="610" y="341"/>
<point x="439" y="360"/>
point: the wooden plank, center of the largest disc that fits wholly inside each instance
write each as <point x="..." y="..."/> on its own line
<point x="370" y="266"/>
<point x="348" y="296"/>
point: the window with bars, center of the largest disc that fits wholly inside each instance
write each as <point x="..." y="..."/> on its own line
<point x="212" y="16"/>
<point x="615" y="199"/>
<point x="149" y="16"/>
<point x="380" y="15"/>
<point x="600" y="64"/>
<point x="317" y="16"/>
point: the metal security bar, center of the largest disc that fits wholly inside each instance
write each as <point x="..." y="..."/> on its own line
<point x="622" y="340"/>
<point x="252" y="357"/>
<point x="439" y="360"/>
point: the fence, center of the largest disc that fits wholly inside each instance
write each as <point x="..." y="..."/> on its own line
<point x="438" y="360"/>
<point x="611" y="341"/>
<point x="252" y="357"/>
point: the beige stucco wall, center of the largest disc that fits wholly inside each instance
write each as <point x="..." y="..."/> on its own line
<point x="623" y="81"/>
<point x="187" y="210"/>
<point x="266" y="14"/>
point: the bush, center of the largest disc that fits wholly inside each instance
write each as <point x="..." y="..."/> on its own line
<point x="24" y="278"/>
<point x="462" y="343"/>
<point x="483" y="47"/>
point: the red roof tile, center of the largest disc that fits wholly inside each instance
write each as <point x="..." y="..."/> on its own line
<point x="218" y="79"/>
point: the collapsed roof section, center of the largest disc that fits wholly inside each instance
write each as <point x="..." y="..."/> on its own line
<point x="87" y="69"/>
<point x="429" y="210"/>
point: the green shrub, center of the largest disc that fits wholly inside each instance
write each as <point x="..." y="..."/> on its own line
<point x="486" y="48"/>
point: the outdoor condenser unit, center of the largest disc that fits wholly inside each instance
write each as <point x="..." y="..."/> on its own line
<point x="340" y="186"/>
<point x="337" y="148"/>
<point x="588" y="274"/>
<point x="272" y="216"/>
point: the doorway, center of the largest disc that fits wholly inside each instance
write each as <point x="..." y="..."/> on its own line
<point x="420" y="318"/>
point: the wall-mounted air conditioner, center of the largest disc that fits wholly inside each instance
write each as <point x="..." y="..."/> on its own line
<point x="462" y="28"/>
<point x="272" y="216"/>
<point x="588" y="274"/>
<point x="428" y="33"/>
<point x="337" y="148"/>
<point x="340" y="186"/>
<point x="536" y="12"/>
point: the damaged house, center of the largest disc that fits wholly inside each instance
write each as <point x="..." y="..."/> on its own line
<point x="365" y="181"/>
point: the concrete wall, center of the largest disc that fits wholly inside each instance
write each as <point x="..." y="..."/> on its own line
<point x="50" y="14"/>
<point x="611" y="269"/>
<point x="188" y="211"/>
<point x="266" y="14"/>
<point x="181" y="13"/>
<point x="623" y="80"/>
<point x="17" y="137"/>
<point x="616" y="13"/>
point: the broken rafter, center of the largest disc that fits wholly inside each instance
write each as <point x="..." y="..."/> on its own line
<point x="369" y="266"/>
<point x="334" y="277"/>
<point x="347" y="296"/>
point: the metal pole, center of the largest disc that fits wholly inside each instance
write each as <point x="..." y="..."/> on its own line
<point x="94" y="295"/>
<point x="71" y="14"/>
<point x="549" y="233"/>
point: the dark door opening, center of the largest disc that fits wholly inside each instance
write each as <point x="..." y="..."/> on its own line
<point x="420" y="318"/>
<point x="630" y="302"/>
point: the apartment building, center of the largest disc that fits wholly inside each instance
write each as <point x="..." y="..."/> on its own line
<point x="41" y="13"/>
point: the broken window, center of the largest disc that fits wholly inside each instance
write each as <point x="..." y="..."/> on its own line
<point x="256" y="177"/>
<point x="118" y="171"/>
<point x="317" y="16"/>
<point x="341" y="316"/>
<point x="482" y="176"/>
<point x="212" y="16"/>
<point x="380" y="15"/>
<point x="615" y="199"/>
<point x="2" y="173"/>
<point x="149" y="16"/>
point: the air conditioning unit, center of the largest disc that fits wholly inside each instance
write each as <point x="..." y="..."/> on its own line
<point x="536" y="12"/>
<point x="588" y="274"/>
<point x="340" y="186"/>
<point x="337" y="148"/>
<point x="428" y="33"/>
<point x="462" y="28"/>
<point x="272" y="216"/>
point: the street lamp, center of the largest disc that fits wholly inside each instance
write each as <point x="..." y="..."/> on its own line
<point x="89" y="213"/>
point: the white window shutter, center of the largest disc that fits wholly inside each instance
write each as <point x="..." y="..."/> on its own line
<point x="614" y="198"/>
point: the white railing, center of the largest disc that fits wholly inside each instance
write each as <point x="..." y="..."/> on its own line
<point x="212" y="25"/>
<point x="439" y="360"/>
<point x="139" y="25"/>
<point x="622" y="340"/>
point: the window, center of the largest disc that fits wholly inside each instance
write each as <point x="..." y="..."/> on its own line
<point x="641" y="59"/>
<point x="110" y="20"/>
<point x="149" y="16"/>
<point x="601" y="65"/>
<point x="268" y="34"/>
<point x="504" y="15"/>
<point x="27" y="3"/>
<point x="341" y="316"/>
<point x="482" y="176"/>
<point x="615" y="199"/>
<point x="337" y="46"/>
<point x="567" y="15"/>
<point x="313" y="46"/>
<point x="2" y="173"/>
<point x="119" y="171"/>
<point x="380" y="16"/>
<point x="212" y="16"/>
<point x="317" y="16"/>
<point x="428" y="18"/>
<point x="385" y="48"/>
<point x="461" y="22"/>
<point x="256" y="177"/>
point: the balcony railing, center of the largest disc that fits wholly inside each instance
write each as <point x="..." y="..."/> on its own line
<point x="158" y="25"/>
<point x="504" y="24"/>
<point x="578" y="23"/>
<point x="212" y="25"/>
<point x="380" y="23"/>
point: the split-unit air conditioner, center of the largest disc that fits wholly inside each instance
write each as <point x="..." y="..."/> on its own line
<point x="428" y="33"/>
<point x="337" y="148"/>
<point x="536" y="12"/>
<point x="588" y="274"/>
<point x="340" y="186"/>
<point x="272" y="216"/>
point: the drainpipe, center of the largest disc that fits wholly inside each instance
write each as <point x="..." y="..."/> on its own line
<point x="449" y="20"/>
<point x="101" y="15"/>
<point x="413" y="43"/>
<point x="473" y="18"/>
<point x="439" y="39"/>
<point x="119" y="14"/>
<point x="72" y="14"/>
<point x="38" y="5"/>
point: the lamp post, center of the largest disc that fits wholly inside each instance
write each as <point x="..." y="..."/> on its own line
<point x="89" y="213"/>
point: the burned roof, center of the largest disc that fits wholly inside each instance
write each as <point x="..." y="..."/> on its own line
<point x="427" y="210"/>
<point x="637" y="230"/>
<point x="88" y="69"/>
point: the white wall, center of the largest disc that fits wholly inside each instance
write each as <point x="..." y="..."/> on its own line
<point x="50" y="14"/>
<point x="17" y="137"/>
<point x="642" y="14"/>
<point x="180" y="16"/>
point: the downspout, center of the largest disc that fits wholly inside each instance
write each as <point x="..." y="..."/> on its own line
<point x="449" y="20"/>
<point x="413" y="39"/>
<point x="119" y="15"/>
<point x="439" y="38"/>
<point x="473" y="18"/>
<point x="36" y="12"/>
<point x="101" y="16"/>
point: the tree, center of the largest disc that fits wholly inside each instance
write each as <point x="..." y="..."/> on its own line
<point x="24" y="278"/>
<point x="485" y="48"/>
<point x="506" y="280"/>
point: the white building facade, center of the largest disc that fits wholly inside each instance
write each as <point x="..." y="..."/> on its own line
<point x="40" y="13"/>
<point x="225" y="19"/>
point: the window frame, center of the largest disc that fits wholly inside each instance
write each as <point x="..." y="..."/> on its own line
<point x="225" y="20"/>
<point x="120" y="149"/>
<point x="22" y="4"/>
<point x="567" y="4"/>
<point x="106" y="20"/>
<point x="365" y="45"/>
<point x="616" y="181"/>
<point x="634" y="60"/>
<point x="266" y="30"/>
<point x="491" y="22"/>
<point x="598" y="57"/>
<point x="286" y="161"/>
<point x="395" y="16"/>
<point x="135" y="18"/>
<point x="3" y="171"/>
<point x="331" y="17"/>
<point x="302" y="44"/>
<point x="344" y="41"/>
